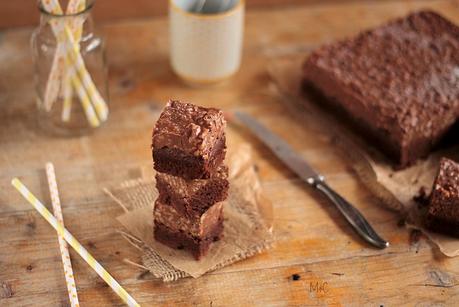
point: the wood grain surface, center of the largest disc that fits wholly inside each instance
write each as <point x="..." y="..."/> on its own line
<point x="25" y="12"/>
<point x="317" y="259"/>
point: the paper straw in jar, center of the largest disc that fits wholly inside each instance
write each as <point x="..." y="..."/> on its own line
<point x="53" y="83"/>
<point x="76" y="24"/>
<point x="76" y="59"/>
<point x="74" y="7"/>
<point x="61" y="30"/>
<point x="68" y="94"/>
<point x="99" y="103"/>
<point x="58" y="72"/>
<point x="85" y="102"/>
<point x="83" y="252"/>
<point x="81" y="91"/>
<point x="68" y="271"/>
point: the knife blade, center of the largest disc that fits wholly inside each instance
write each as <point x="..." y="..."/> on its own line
<point x="302" y="169"/>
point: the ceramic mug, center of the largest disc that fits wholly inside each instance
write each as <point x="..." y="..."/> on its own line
<point x="206" y="38"/>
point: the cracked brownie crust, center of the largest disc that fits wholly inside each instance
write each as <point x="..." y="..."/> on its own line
<point x="399" y="83"/>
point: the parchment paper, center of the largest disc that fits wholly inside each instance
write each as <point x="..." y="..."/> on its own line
<point x="247" y="223"/>
<point x="396" y="188"/>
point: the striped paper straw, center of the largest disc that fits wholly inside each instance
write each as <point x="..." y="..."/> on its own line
<point x="52" y="85"/>
<point x="76" y="24"/>
<point x="81" y="92"/>
<point x="85" y="102"/>
<point x="68" y="271"/>
<point x="74" y="243"/>
<point x="74" y="7"/>
<point x="67" y="93"/>
<point x="96" y="98"/>
<point x="77" y="60"/>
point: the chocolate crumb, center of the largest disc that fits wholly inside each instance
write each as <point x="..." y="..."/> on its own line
<point x="338" y="274"/>
<point x="31" y="225"/>
<point x="29" y="267"/>
<point x="415" y="236"/>
<point x="421" y="198"/>
<point x="126" y="83"/>
<point x="296" y="277"/>
<point x="31" y="228"/>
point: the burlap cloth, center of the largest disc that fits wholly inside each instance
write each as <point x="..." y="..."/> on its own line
<point x="247" y="223"/>
<point x="396" y="188"/>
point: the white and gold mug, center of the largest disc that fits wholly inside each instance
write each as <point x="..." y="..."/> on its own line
<point x="206" y="38"/>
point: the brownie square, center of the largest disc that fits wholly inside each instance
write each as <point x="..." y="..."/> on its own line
<point x="443" y="211"/>
<point x="193" y="197"/>
<point x="189" y="141"/>
<point x="398" y="83"/>
<point x="180" y="232"/>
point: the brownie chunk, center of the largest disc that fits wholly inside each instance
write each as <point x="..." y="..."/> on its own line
<point x="443" y="214"/>
<point x="189" y="141"/>
<point x="193" y="197"/>
<point x="398" y="83"/>
<point x="194" y="234"/>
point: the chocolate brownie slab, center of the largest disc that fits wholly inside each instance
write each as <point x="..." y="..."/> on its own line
<point x="193" y="234"/>
<point x="443" y="212"/>
<point x="189" y="141"/>
<point x="399" y="83"/>
<point x="193" y="197"/>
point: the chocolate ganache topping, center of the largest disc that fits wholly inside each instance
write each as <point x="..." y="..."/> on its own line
<point x="189" y="128"/>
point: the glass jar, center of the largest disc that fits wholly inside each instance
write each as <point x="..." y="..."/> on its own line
<point x="70" y="70"/>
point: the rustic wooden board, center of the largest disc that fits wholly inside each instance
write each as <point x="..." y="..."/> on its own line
<point x="334" y="266"/>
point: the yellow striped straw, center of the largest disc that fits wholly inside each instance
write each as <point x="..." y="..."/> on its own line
<point x="76" y="24"/>
<point x="74" y="243"/>
<point x="68" y="93"/>
<point x="68" y="271"/>
<point x="81" y="92"/>
<point x="96" y="98"/>
<point x="77" y="60"/>
<point x="85" y="102"/>
<point x="58" y="67"/>
<point x="52" y="85"/>
<point x="74" y="7"/>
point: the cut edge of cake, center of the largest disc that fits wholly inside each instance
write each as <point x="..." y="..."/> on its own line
<point x="443" y="208"/>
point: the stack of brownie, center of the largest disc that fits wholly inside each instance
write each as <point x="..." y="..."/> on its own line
<point x="188" y="152"/>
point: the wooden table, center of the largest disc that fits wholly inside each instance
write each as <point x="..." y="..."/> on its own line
<point x="334" y="267"/>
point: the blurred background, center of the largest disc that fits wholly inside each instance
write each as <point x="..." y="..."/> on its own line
<point x="21" y="13"/>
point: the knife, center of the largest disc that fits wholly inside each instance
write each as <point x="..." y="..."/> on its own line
<point x="300" y="167"/>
